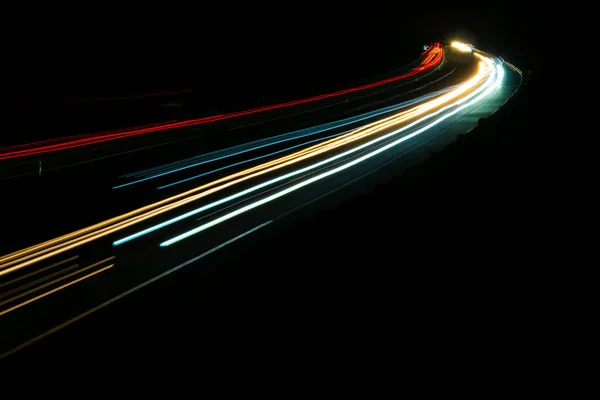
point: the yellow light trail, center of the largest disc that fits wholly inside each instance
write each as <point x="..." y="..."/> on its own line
<point x="42" y="251"/>
<point x="49" y="292"/>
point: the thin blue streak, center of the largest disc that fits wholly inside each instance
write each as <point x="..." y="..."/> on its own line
<point x="335" y="170"/>
<point x="253" y="159"/>
<point x="289" y="175"/>
<point x="333" y="125"/>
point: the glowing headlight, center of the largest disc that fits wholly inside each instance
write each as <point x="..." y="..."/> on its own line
<point x="462" y="47"/>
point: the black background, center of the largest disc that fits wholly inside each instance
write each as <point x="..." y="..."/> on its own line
<point x="476" y="281"/>
<point x="235" y="50"/>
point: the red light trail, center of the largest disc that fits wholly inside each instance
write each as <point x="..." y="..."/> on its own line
<point x="434" y="56"/>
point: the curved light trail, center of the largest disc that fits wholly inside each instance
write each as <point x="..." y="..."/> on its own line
<point x="202" y="159"/>
<point x="494" y="82"/>
<point x="373" y="138"/>
<point x="433" y="57"/>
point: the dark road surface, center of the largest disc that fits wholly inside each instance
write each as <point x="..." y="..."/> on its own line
<point x="239" y="282"/>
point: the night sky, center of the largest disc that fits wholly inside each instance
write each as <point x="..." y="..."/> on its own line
<point x="231" y="49"/>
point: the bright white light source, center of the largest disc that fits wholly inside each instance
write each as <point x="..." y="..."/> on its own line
<point x="462" y="47"/>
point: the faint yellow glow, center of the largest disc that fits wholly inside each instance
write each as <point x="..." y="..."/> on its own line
<point x="60" y="287"/>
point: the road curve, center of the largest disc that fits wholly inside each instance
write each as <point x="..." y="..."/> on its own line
<point x="198" y="205"/>
<point x="431" y="58"/>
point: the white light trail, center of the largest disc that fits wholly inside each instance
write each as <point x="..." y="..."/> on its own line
<point x="492" y="84"/>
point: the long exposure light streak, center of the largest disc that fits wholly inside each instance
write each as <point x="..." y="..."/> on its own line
<point x="33" y="254"/>
<point x="259" y="144"/>
<point x="306" y="169"/>
<point x="293" y="188"/>
<point x="289" y="175"/>
<point x="433" y="58"/>
<point x="249" y="160"/>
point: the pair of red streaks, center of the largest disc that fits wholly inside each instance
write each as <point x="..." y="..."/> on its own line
<point x="82" y="136"/>
<point x="434" y="56"/>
